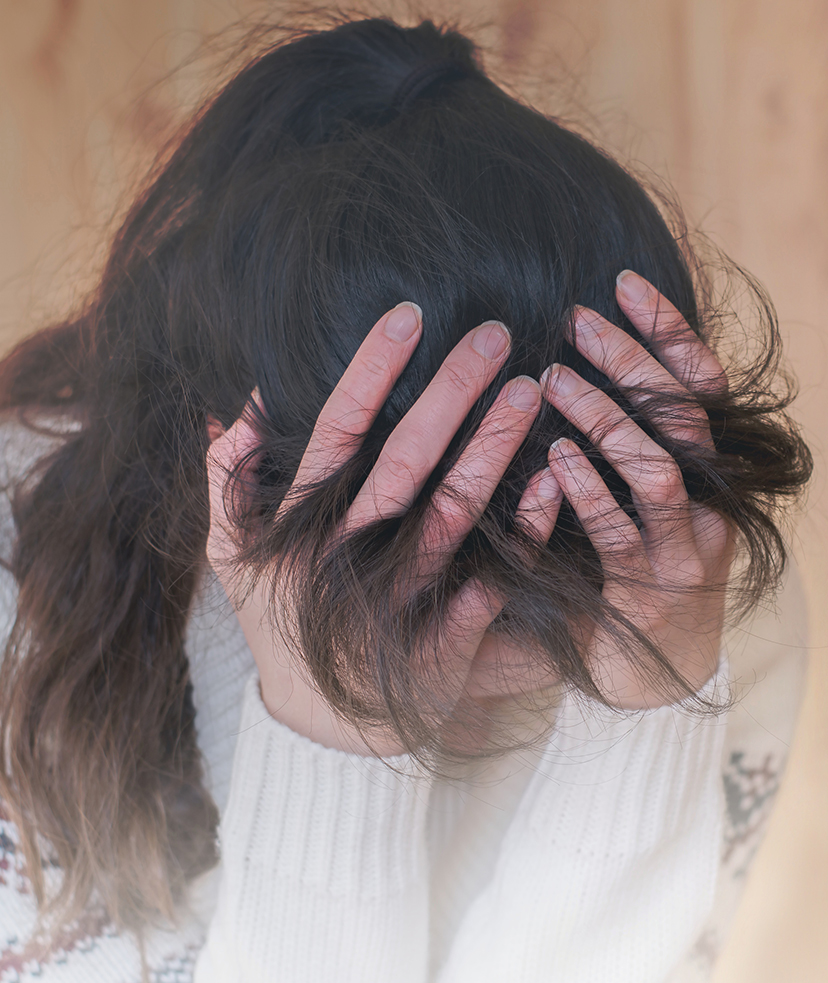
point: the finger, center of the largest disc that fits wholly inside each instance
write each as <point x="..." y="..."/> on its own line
<point x="628" y="364"/>
<point x="652" y="474"/>
<point x="361" y="392"/>
<point x="500" y="668"/>
<point x="611" y="531"/>
<point x="675" y="343"/>
<point x="537" y="511"/>
<point x="473" y="663"/>
<point x="233" y="450"/>
<point x="503" y="669"/>
<point x="420" y="439"/>
<point x="470" y="614"/>
<point x="235" y="447"/>
<point x="466" y="490"/>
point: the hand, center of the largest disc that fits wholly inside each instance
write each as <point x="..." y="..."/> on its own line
<point x="679" y="562"/>
<point x="669" y="579"/>
<point x="409" y="456"/>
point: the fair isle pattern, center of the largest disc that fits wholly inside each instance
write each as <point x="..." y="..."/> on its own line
<point x="11" y="858"/>
<point x="699" y="964"/>
<point x="18" y="961"/>
<point x="92" y="939"/>
<point x="750" y="784"/>
<point x="224" y="681"/>
<point x="750" y="778"/>
<point x="177" y="967"/>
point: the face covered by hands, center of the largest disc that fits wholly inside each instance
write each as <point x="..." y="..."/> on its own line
<point x="668" y="577"/>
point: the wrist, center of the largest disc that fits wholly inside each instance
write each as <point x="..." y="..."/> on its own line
<point x="292" y="699"/>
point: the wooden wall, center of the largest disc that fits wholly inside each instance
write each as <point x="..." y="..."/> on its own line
<point x="727" y="99"/>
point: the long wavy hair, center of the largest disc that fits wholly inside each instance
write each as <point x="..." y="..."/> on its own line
<point x="316" y="190"/>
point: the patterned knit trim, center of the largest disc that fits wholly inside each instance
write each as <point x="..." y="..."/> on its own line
<point x="83" y="935"/>
<point x="751" y="782"/>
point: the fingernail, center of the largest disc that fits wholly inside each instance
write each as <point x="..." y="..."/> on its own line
<point x="491" y="339"/>
<point x="523" y="393"/>
<point x="548" y="487"/>
<point x="558" y="445"/>
<point x="586" y="320"/>
<point x="550" y="380"/>
<point x="634" y="287"/>
<point x="403" y="321"/>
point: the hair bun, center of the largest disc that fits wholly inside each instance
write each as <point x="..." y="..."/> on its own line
<point x="422" y="78"/>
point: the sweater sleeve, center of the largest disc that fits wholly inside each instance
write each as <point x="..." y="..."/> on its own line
<point x="609" y="869"/>
<point x="767" y="655"/>
<point x="324" y="867"/>
<point x="323" y="877"/>
<point x="630" y="848"/>
<point x="323" y="872"/>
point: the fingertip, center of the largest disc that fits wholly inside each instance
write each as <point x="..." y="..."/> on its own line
<point x="547" y="379"/>
<point x="523" y="392"/>
<point x="549" y="489"/>
<point x="581" y="313"/>
<point x="562" y="446"/>
<point x="538" y="509"/>
<point x="632" y="288"/>
<point x="214" y="429"/>
<point x="403" y="322"/>
<point x="415" y="307"/>
<point x="491" y="339"/>
<point x="251" y="416"/>
<point x="564" y="457"/>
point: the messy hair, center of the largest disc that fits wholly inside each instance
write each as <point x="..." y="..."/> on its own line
<point x="305" y="199"/>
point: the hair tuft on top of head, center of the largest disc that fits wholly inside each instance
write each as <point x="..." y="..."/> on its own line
<point x="426" y="77"/>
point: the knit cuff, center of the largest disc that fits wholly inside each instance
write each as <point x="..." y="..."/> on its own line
<point x="665" y="753"/>
<point x="344" y="823"/>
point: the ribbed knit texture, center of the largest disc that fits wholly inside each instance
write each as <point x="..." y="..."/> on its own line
<point x="609" y="870"/>
<point x="615" y="853"/>
<point x="312" y="833"/>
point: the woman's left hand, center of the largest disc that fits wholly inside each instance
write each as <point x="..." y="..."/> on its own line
<point x="669" y="578"/>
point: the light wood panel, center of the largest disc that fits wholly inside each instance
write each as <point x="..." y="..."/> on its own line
<point x="725" y="98"/>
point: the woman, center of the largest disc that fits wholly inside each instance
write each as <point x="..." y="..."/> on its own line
<point x="466" y="561"/>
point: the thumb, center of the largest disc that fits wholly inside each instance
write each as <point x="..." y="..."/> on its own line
<point x="231" y="453"/>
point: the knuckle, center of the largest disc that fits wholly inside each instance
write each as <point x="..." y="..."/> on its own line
<point x="706" y="373"/>
<point x="630" y="362"/>
<point x="328" y="433"/>
<point x="624" y="547"/>
<point x="458" y="374"/>
<point x="688" y="574"/>
<point x="698" y="417"/>
<point x="394" y="475"/>
<point x="608" y="420"/>
<point x="694" y="571"/>
<point x="668" y="483"/>
<point x="376" y="364"/>
<point x="695" y="429"/>
<point x="447" y="521"/>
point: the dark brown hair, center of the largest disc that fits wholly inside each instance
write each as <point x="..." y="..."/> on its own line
<point x="301" y="203"/>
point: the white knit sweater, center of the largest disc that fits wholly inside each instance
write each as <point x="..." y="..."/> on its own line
<point x="615" y="854"/>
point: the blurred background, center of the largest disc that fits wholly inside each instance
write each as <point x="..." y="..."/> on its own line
<point x="727" y="100"/>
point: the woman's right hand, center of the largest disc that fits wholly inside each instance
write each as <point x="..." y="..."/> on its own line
<point x="408" y="458"/>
